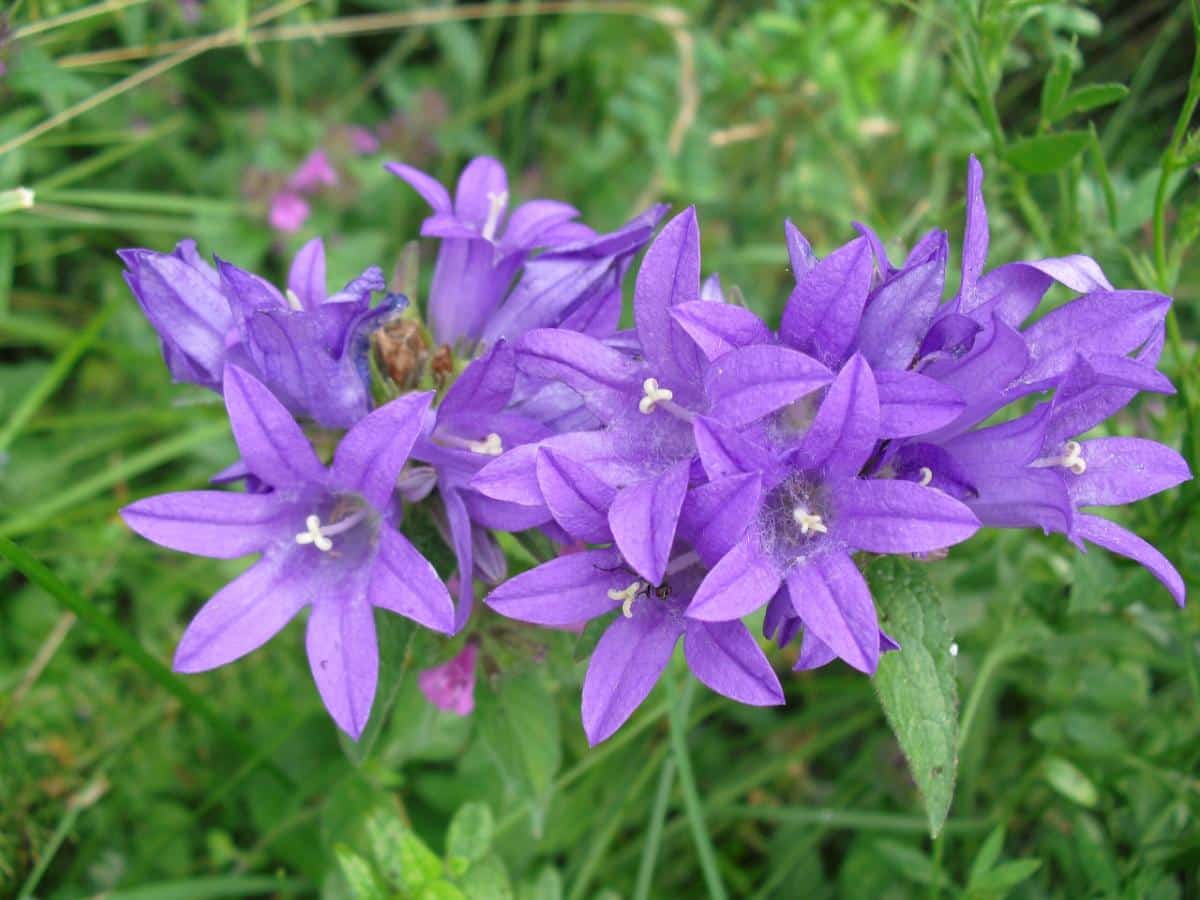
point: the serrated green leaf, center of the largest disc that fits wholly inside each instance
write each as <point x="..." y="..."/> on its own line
<point x="364" y="884"/>
<point x="1090" y="96"/>
<point x="487" y="880"/>
<point x="385" y="841"/>
<point x="1043" y="154"/>
<point x="1068" y="780"/>
<point x="1004" y="877"/>
<point x="420" y="866"/>
<point x="470" y="834"/>
<point x="517" y="725"/>
<point x="916" y="684"/>
<point x="1056" y="85"/>
<point x="987" y="856"/>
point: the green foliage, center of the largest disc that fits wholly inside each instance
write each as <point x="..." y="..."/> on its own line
<point x="1076" y="742"/>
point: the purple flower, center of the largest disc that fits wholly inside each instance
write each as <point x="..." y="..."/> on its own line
<point x="483" y="246"/>
<point x="309" y="348"/>
<point x="314" y="173"/>
<point x="288" y="213"/>
<point x="363" y="140"/>
<point x="638" y="644"/>
<point x="327" y="540"/>
<point x="451" y="686"/>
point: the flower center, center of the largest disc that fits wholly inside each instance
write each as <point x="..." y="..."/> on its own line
<point x="926" y="474"/>
<point x="319" y="535"/>
<point x="491" y="445"/>
<point x="627" y="596"/>
<point x="1072" y="459"/>
<point x="809" y="522"/>
<point x="497" y="201"/>
<point x="653" y="395"/>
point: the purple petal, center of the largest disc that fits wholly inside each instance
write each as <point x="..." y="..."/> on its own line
<point x="747" y="384"/>
<point x="1010" y="497"/>
<point x="643" y="518"/>
<point x="430" y="189"/>
<point x="485" y="386"/>
<point x="1013" y="291"/>
<point x="248" y="293"/>
<point x="725" y="452"/>
<point x="1095" y="388"/>
<point x="1016" y="442"/>
<point x="459" y="521"/>
<point x="601" y="376"/>
<point x="243" y="615"/>
<point x="899" y="313"/>
<point x="726" y="658"/>
<point x="883" y="265"/>
<point x="578" y="500"/>
<point x="218" y="524"/>
<point x="716" y="515"/>
<point x="468" y="285"/>
<point x="272" y="444"/>
<point x="998" y="358"/>
<point x="564" y="591"/>
<point x="844" y="432"/>
<point x="344" y="657"/>
<point x="975" y="232"/>
<point x="912" y="404"/>
<point x="481" y="182"/>
<point x="739" y="584"/>
<point x="669" y="276"/>
<point x="823" y="312"/>
<point x="1116" y="539"/>
<point x="711" y="290"/>
<point x="800" y="251"/>
<point x="511" y="477"/>
<point x="814" y="653"/>
<point x="532" y="221"/>
<point x="718" y="328"/>
<point x="898" y="517"/>
<point x="1125" y="470"/>
<point x="404" y="582"/>
<point x="831" y="597"/>
<point x="371" y="455"/>
<point x="624" y="668"/>
<point x="306" y="278"/>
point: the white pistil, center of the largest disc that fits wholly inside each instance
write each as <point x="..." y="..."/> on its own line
<point x="489" y="446"/>
<point x="926" y="474"/>
<point x="1072" y="459"/>
<point x="810" y="523"/>
<point x="314" y="535"/>
<point x="627" y="596"/>
<point x="497" y="201"/>
<point x="292" y="299"/>
<point x="654" y="396"/>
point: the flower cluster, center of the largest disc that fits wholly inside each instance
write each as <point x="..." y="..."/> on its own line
<point x="698" y="469"/>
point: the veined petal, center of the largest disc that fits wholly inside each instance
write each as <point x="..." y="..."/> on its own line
<point x="306" y="277"/>
<point x="564" y="591"/>
<point x="603" y="377"/>
<point x="1114" y="538"/>
<point x="485" y="386"/>
<point x="997" y="359"/>
<point x="975" y="231"/>
<point x="822" y="314"/>
<point x="718" y="328"/>
<point x="625" y="666"/>
<point x="886" y="516"/>
<point x="912" y="404"/>
<point x="1125" y="470"/>
<point x="243" y="615"/>
<point x="724" y="451"/>
<point x="831" y="597"/>
<point x="814" y="653"/>
<point x="643" y="518"/>
<point x="344" y="657"/>
<point x="459" y="521"/>
<point x="726" y="658"/>
<point x="511" y="477"/>
<point x="1097" y="386"/>
<point x="1013" y="291"/>
<point x="1007" y="496"/>
<point x="531" y="222"/>
<point x="800" y="251"/>
<point x="669" y="276"/>
<point x="404" y="582"/>
<point x="217" y="524"/>
<point x="578" y="500"/>
<point x="747" y="384"/>
<point x="272" y="444"/>
<point x="716" y="515"/>
<point x="740" y="583"/>
<point x="481" y="185"/>
<point x="846" y="428"/>
<point x="899" y="312"/>
<point x="430" y="189"/>
<point x="371" y="455"/>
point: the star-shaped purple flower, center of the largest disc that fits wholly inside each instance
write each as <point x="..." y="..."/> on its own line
<point x="327" y="538"/>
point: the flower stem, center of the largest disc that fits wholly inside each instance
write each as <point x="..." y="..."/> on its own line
<point x="680" y="701"/>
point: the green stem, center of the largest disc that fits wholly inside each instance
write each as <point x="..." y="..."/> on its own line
<point x="679" y="703"/>
<point x="658" y="815"/>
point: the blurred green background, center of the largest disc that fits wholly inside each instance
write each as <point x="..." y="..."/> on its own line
<point x="140" y="122"/>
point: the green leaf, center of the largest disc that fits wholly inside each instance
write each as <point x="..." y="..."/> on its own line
<point x="1005" y="877"/>
<point x="547" y="886"/>
<point x="1068" y="780"/>
<point x="1056" y="85"/>
<point x="1046" y="153"/>
<point x="364" y="884"/>
<point x="908" y="861"/>
<point x="385" y="837"/>
<point x="441" y="890"/>
<point x="517" y="724"/>
<point x="987" y="856"/>
<point x="470" y="833"/>
<point x="916" y="684"/>
<point x="209" y="888"/>
<point x="419" y="865"/>
<point x="1090" y="96"/>
<point x="487" y="880"/>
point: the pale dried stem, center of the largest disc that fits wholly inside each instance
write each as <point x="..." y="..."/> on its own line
<point x="96" y="9"/>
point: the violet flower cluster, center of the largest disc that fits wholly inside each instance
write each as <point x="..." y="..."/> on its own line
<point x="701" y="470"/>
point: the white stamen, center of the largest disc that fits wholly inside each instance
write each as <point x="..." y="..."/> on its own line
<point x="1071" y="459"/>
<point x="489" y="446"/>
<point x="627" y="596"/>
<point x="926" y="474"/>
<point x="496" y="204"/>
<point x="314" y="535"/>
<point x="292" y="299"/>
<point x="654" y="395"/>
<point x="809" y="523"/>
